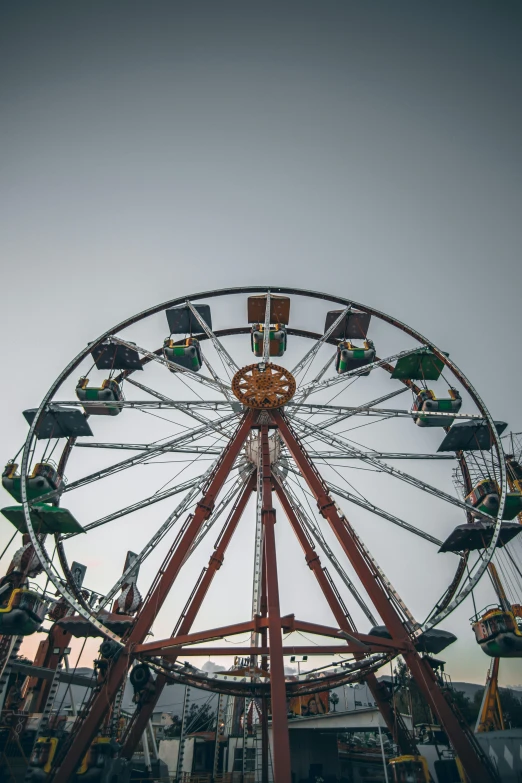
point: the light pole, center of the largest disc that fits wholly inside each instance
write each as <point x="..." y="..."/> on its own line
<point x="299" y="660"/>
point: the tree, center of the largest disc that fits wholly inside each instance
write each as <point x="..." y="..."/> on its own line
<point x="512" y="708"/>
<point x="468" y="709"/>
<point x="334" y="699"/>
<point x="409" y="699"/>
<point x="174" y="729"/>
<point x="197" y="719"/>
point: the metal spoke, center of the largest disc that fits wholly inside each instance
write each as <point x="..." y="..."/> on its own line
<point x="176" y="406"/>
<point x="232" y="493"/>
<point x="266" y="333"/>
<point x="342" y="443"/>
<point x="227" y="392"/>
<point x="182" y="405"/>
<point x="317" y="385"/>
<point x="387" y="412"/>
<point x="313" y="350"/>
<point x="221" y="350"/>
<point x="156" y="538"/>
<point x="315" y="531"/>
<point x="381" y="513"/>
<point x="140" y="504"/>
<point x="366" y="406"/>
<point x="375" y="510"/>
<point x="179" y="440"/>
<point x="146" y="447"/>
<point x="327" y="455"/>
<point x="377" y="570"/>
<point x="310" y="387"/>
<point x="257" y="574"/>
<point x="203" y="379"/>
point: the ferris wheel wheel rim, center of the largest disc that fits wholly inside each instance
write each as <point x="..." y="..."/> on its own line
<point x="40" y="549"/>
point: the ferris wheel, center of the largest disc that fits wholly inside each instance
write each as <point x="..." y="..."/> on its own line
<point x="225" y="409"/>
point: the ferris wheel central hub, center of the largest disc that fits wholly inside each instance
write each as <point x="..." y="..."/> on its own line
<point x="262" y="386"/>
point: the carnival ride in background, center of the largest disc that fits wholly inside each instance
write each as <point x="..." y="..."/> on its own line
<point x="270" y="431"/>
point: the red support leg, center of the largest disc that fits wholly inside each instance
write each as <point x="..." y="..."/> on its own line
<point x="142" y="716"/>
<point x="396" y="726"/>
<point x="152" y="605"/>
<point x="280" y="735"/>
<point x="264" y="667"/>
<point x="474" y="762"/>
<point x="45" y="657"/>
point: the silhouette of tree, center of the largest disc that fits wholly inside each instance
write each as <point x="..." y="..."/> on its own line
<point x="511" y="704"/>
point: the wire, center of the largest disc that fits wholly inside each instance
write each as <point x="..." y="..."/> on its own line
<point x="366" y="424"/>
<point x="9" y="544"/>
<point x="182" y="469"/>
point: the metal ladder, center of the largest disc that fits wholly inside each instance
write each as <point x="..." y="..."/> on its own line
<point x="247" y="705"/>
<point x="186" y="703"/>
<point x="258" y="741"/>
<point x="220" y="721"/>
<point x="116" y="712"/>
<point x="9" y="647"/>
<point x="49" y="703"/>
<point x="477" y="747"/>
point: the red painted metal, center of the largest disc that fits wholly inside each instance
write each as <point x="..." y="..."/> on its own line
<point x="166" y="646"/>
<point x="287" y="649"/>
<point x="288" y="623"/>
<point x="280" y="735"/>
<point x="81" y="739"/>
<point x="144" y="713"/>
<point x="45" y="657"/>
<point x="475" y="764"/>
<point x="396" y="725"/>
<point x="264" y="667"/>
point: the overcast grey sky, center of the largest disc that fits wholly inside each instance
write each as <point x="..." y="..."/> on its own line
<point x="155" y="149"/>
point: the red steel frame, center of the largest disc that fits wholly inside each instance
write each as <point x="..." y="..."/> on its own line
<point x="280" y="736"/>
<point x="142" y="716"/>
<point x="269" y="623"/>
<point x="422" y="672"/>
<point x="152" y="605"/>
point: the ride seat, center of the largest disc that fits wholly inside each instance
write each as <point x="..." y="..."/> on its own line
<point x="187" y="355"/>
<point x="23" y="614"/>
<point x="108" y="392"/>
<point x="498" y="634"/>
<point x="428" y="402"/>
<point x="41" y="761"/>
<point x="409" y="769"/>
<point x="42" y="480"/>
<point x="277" y="339"/>
<point x="485" y="497"/>
<point x="351" y="357"/>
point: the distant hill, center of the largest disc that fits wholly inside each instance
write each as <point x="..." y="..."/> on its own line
<point x="468" y="688"/>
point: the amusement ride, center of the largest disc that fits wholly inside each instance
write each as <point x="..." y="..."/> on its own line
<point x="268" y="391"/>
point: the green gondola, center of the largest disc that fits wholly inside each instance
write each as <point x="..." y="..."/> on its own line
<point x="351" y="357"/>
<point x="187" y="355"/>
<point x="43" y="479"/>
<point x="23" y="614"/>
<point x="277" y="339"/>
<point x="109" y="392"/>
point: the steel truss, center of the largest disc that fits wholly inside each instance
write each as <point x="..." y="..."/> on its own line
<point x="363" y="653"/>
<point x="269" y="622"/>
